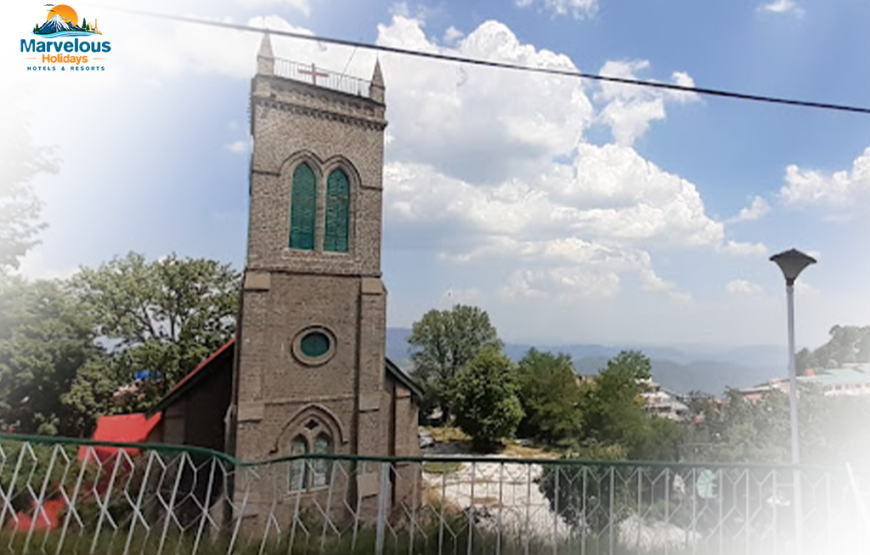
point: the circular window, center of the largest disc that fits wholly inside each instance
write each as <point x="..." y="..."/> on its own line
<point x="314" y="346"/>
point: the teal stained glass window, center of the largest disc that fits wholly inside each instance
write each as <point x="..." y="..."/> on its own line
<point x="337" y="212"/>
<point x="320" y="467"/>
<point x="315" y="344"/>
<point x="298" y="467"/>
<point x="303" y="208"/>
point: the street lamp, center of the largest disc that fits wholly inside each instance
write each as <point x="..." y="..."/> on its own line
<point x="792" y="263"/>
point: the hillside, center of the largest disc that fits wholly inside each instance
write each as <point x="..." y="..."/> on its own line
<point x="681" y="369"/>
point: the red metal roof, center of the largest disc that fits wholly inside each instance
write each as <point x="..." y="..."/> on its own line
<point x="122" y="428"/>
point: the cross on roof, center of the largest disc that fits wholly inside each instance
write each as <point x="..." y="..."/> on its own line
<point x="313" y="73"/>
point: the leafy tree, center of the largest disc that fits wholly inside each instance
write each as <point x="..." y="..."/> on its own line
<point x="832" y="429"/>
<point x="67" y="347"/>
<point x="848" y="344"/>
<point x="19" y="207"/>
<point x="45" y="337"/>
<point x="164" y="316"/>
<point x="445" y="341"/>
<point x="615" y="427"/>
<point x="484" y="396"/>
<point x="91" y="393"/>
<point x="612" y="407"/>
<point x="550" y="396"/>
<point x="613" y="411"/>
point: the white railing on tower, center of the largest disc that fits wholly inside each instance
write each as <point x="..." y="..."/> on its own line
<point x="321" y="77"/>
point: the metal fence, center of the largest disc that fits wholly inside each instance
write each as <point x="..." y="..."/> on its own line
<point x="310" y="73"/>
<point x="68" y="496"/>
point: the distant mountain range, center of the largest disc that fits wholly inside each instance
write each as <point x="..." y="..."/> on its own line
<point x="679" y="368"/>
<point x="56" y="24"/>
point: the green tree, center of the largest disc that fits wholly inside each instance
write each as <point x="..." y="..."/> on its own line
<point x="84" y="24"/>
<point x="832" y="429"/>
<point x="164" y="316"/>
<point x="847" y="345"/>
<point x="751" y="431"/>
<point x="549" y="395"/>
<point x="444" y="342"/>
<point x="613" y="412"/>
<point x="612" y="407"/>
<point x="19" y="206"/>
<point x="91" y="393"/>
<point x="485" y="400"/>
<point x="45" y="338"/>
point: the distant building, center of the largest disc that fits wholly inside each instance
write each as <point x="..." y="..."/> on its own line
<point x="853" y="380"/>
<point x="662" y="403"/>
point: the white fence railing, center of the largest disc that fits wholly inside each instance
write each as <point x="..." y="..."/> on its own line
<point x="68" y="496"/>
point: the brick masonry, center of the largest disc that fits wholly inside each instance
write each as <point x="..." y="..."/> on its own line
<point x="288" y="291"/>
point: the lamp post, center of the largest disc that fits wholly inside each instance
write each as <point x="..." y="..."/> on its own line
<point x="792" y="263"/>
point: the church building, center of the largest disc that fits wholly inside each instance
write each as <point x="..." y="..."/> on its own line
<point x="307" y="371"/>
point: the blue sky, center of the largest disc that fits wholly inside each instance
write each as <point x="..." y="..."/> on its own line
<point x="571" y="211"/>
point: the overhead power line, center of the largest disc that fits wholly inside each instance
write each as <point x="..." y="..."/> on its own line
<point x="510" y="66"/>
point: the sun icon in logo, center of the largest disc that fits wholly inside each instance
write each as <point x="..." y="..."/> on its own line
<point x="65" y="12"/>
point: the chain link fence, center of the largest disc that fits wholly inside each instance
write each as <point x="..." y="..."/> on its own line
<point x="62" y="496"/>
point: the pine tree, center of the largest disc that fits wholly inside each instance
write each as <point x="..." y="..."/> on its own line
<point x="84" y="24"/>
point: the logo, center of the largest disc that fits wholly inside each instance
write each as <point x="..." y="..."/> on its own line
<point x="63" y="21"/>
<point x="62" y="42"/>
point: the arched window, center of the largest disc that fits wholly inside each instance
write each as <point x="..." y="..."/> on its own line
<point x="298" y="467"/>
<point x="303" y="208"/>
<point x="337" y="212"/>
<point x="320" y="467"/>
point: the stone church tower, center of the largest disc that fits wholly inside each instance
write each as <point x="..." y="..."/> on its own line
<point x="311" y="374"/>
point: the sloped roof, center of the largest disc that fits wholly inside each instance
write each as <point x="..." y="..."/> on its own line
<point x="121" y="428"/>
<point x="838" y="376"/>
<point x="192" y="377"/>
<point x="403" y="378"/>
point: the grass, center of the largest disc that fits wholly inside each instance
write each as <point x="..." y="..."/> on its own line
<point x="514" y="449"/>
<point x="448" y="434"/>
<point x="445" y="467"/>
<point x="455" y="436"/>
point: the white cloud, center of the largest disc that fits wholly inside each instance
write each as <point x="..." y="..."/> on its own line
<point x="842" y="192"/>
<point x="683" y="79"/>
<point x="302" y="6"/>
<point x="564" y="284"/>
<point x="782" y="7"/>
<point x="744" y="249"/>
<point x="238" y="147"/>
<point x="497" y="162"/>
<point x="629" y="109"/>
<point x="577" y="9"/>
<point x="757" y="209"/>
<point x="479" y="124"/>
<point x="743" y="287"/>
<point x="610" y="194"/>
<point x="452" y="34"/>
